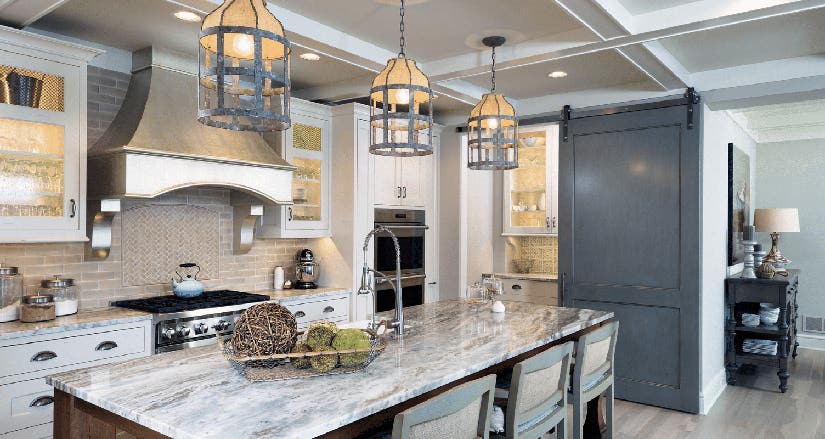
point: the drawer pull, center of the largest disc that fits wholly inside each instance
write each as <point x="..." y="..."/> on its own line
<point x="329" y="309"/>
<point x="106" y="346"/>
<point x="44" y="356"/>
<point x="516" y="287"/>
<point x="42" y="401"/>
<point x="300" y="314"/>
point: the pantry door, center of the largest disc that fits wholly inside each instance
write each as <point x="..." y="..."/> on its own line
<point x="630" y="235"/>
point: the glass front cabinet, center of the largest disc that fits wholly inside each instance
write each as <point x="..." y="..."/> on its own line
<point x="306" y="145"/>
<point x="42" y="138"/>
<point x="531" y="191"/>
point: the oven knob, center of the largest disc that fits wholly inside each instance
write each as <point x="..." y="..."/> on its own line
<point x="201" y="328"/>
<point x="167" y="333"/>
<point x="222" y="325"/>
<point x="182" y="331"/>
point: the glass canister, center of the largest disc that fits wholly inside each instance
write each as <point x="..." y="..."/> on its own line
<point x="11" y="290"/>
<point x="37" y="308"/>
<point x="66" y="294"/>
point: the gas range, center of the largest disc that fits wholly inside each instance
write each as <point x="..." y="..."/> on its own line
<point x="181" y="323"/>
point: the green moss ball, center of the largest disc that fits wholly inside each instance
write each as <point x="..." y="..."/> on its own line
<point x="324" y="363"/>
<point x="320" y="335"/>
<point x="352" y="339"/>
<point x="301" y="363"/>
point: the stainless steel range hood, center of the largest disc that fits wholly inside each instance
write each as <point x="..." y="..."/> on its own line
<point x="156" y="145"/>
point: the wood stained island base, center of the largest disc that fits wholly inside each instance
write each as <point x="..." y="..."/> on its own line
<point x="197" y="394"/>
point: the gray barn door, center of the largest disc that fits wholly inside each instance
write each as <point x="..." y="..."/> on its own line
<point x="630" y="242"/>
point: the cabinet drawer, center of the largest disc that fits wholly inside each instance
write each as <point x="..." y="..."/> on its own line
<point x="519" y="290"/>
<point x="25" y="404"/>
<point x="330" y="309"/>
<point x="49" y="354"/>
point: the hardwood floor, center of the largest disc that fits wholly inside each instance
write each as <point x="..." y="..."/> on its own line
<point x="752" y="409"/>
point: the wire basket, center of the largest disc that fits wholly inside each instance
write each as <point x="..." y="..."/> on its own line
<point x="277" y="367"/>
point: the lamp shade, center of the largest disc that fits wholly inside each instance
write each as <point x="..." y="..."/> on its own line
<point x="776" y="220"/>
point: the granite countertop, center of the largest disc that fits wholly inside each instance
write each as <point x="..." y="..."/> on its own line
<point x="296" y="294"/>
<point x="196" y="393"/>
<point x="84" y="319"/>
<point x="546" y="277"/>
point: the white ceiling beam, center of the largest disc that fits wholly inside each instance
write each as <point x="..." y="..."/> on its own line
<point x="636" y="39"/>
<point x="25" y="12"/>
<point x="588" y="98"/>
<point x="606" y="18"/>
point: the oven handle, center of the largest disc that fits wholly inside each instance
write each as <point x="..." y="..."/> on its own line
<point x="380" y="280"/>
<point x="403" y="226"/>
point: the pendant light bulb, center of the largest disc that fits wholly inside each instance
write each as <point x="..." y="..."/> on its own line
<point x="403" y="96"/>
<point x="492" y="124"/>
<point x="244" y="44"/>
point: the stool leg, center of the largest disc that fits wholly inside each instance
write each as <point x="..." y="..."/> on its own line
<point x="578" y="419"/>
<point x="608" y="409"/>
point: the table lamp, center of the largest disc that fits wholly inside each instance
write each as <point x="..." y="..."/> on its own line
<point x="776" y="221"/>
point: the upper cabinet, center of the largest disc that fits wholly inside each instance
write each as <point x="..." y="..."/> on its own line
<point x="42" y="138"/>
<point x="403" y="181"/>
<point x="531" y="191"/>
<point x="306" y="145"/>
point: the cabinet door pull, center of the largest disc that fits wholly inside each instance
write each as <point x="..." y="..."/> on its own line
<point x="44" y="356"/>
<point x="300" y="314"/>
<point x="554" y="222"/>
<point x="106" y="346"/>
<point x="73" y="205"/>
<point x="329" y="309"/>
<point x="405" y="192"/>
<point x="399" y="192"/>
<point x="42" y="401"/>
<point x="516" y="287"/>
<point x="433" y="283"/>
<point x="290" y="213"/>
<point x="547" y="222"/>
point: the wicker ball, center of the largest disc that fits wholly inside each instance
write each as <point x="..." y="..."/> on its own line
<point x="265" y="329"/>
<point x="766" y="271"/>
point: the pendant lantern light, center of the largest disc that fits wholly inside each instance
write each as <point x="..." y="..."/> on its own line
<point x="401" y="114"/>
<point x="243" y="82"/>
<point x="493" y="127"/>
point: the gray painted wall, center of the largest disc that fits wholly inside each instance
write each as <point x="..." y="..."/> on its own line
<point x="792" y="174"/>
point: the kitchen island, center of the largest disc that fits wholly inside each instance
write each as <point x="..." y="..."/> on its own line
<point x="196" y="393"/>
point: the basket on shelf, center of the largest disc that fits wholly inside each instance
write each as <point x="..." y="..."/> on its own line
<point x="276" y="367"/>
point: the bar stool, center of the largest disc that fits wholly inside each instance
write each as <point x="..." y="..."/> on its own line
<point x="593" y="374"/>
<point x="460" y="413"/>
<point x="537" y="400"/>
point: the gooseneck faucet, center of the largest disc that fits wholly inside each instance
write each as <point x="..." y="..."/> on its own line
<point x="366" y="280"/>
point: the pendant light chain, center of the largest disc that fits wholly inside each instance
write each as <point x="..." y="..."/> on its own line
<point x="402" y="41"/>
<point x="493" y="89"/>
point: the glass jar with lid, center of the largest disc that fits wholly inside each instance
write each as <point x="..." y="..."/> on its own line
<point x="66" y="294"/>
<point x="11" y="290"/>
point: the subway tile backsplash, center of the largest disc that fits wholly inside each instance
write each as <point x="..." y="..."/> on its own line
<point x="103" y="281"/>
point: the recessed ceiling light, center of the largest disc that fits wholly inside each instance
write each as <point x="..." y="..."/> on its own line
<point x="309" y="56"/>
<point x="557" y="74"/>
<point x="187" y="16"/>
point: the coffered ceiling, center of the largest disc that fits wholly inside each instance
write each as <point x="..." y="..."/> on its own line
<point x="784" y="122"/>
<point x="736" y="53"/>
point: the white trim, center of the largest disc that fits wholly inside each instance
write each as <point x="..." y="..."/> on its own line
<point x="58" y="50"/>
<point x="814" y="342"/>
<point x="711" y="393"/>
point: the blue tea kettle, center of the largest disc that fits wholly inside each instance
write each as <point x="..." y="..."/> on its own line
<point x="188" y="286"/>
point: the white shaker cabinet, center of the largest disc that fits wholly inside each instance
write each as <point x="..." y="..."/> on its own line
<point x="42" y="138"/>
<point x="531" y="191"/>
<point x="403" y="181"/>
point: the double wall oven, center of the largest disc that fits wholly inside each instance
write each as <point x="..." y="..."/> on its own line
<point x="409" y="226"/>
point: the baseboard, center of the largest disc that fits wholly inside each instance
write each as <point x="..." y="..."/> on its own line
<point x="814" y="342"/>
<point x="712" y="392"/>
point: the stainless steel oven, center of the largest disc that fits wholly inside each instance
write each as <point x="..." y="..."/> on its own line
<point x="410" y="227"/>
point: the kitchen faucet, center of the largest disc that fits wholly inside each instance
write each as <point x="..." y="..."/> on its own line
<point x="367" y="279"/>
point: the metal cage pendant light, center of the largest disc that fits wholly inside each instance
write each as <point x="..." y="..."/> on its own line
<point x="244" y="81"/>
<point x="493" y="127"/>
<point x="401" y="113"/>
